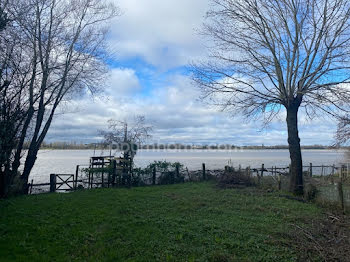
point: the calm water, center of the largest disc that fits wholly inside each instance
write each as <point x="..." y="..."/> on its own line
<point x="65" y="161"/>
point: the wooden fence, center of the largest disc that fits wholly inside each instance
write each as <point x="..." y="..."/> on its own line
<point x="117" y="175"/>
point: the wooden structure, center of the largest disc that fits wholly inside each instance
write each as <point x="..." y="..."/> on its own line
<point x="106" y="171"/>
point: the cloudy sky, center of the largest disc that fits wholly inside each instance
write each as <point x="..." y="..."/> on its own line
<point x="154" y="42"/>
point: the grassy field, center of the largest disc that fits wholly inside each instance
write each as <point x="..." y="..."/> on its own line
<point x="184" y="222"/>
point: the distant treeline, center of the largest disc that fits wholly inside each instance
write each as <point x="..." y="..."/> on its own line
<point x="75" y="145"/>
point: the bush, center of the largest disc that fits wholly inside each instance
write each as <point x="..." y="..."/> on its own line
<point x="167" y="170"/>
<point x="310" y="192"/>
<point x="232" y="178"/>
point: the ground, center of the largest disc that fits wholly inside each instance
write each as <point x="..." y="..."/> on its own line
<point x="183" y="222"/>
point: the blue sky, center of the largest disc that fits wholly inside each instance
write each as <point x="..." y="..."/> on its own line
<point x="154" y="40"/>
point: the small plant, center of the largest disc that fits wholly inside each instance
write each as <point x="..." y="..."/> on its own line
<point x="311" y="192"/>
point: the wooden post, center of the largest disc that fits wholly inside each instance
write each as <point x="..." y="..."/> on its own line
<point x="102" y="175"/>
<point x="52" y="183"/>
<point x="92" y="179"/>
<point x="341" y="194"/>
<point x="188" y="174"/>
<point x="177" y="170"/>
<point x="204" y="174"/>
<point x="31" y="187"/>
<point x="342" y="171"/>
<point x="154" y="174"/>
<point x="322" y="168"/>
<point x="76" y="177"/>
<point x="109" y="174"/>
<point x="114" y="168"/>
<point x="103" y="181"/>
<point x="310" y="170"/>
<point x="279" y="181"/>
<point x="262" y="170"/>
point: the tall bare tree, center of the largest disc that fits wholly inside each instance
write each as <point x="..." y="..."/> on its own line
<point x="63" y="53"/>
<point x="134" y="131"/>
<point x="267" y="56"/>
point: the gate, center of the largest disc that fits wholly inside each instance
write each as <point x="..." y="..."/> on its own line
<point x="61" y="182"/>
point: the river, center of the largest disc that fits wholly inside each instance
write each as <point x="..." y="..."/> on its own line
<point x="65" y="161"/>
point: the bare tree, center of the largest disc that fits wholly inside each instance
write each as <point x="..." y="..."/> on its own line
<point x="136" y="131"/>
<point x="63" y="53"/>
<point x="268" y="56"/>
<point x="12" y="88"/>
<point x="3" y="15"/>
<point x="343" y="131"/>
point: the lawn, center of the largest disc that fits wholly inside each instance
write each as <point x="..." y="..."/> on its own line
<point x="183" y="222"/>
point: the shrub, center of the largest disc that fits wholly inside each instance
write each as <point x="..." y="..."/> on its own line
<point x="310" y="192"/>
<point x="232" y="178"/>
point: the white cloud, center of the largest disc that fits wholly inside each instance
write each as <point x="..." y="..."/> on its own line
<point x="178" y="117"/>
<point x="123" y="81"/>
<point x="161" y="32"/>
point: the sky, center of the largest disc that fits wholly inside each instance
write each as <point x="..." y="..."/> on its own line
<point x="154" y="42"/>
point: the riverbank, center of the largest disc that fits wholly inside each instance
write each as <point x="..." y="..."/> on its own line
<point x="184" y="222"/>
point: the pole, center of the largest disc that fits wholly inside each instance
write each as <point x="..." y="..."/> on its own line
<point x="76" y="177"/>
<point x="154" y="176"/>
<point x="177" y="171"/>
<point x="310" y="171"/>
<point x="52" y="183"/>
<point x="203" y="170"/>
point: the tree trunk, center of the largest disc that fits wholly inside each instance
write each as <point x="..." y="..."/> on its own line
<point x="296" y="167"/>
<point x="28" y="165"/>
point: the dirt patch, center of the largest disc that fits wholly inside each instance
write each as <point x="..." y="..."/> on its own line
<point x="326" y="239"/>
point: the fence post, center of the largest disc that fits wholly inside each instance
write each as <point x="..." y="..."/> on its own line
<point x="204" y="174"/>
<point x="279" y="181"/>
<point x="154" y="176"/>
<point x="341" y="194"/>
<point x="262" y="170"/>
<point x="310" y="171"/>
<point x="177" y="171"/>
<point x="114" y="169"/>
<point x="52" y="183"/>
<point x="342" y="171"/>
<point x="76" y="177"/>
<point x="247" y="171"/>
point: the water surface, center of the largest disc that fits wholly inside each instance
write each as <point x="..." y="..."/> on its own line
<point x="65" y="161"/>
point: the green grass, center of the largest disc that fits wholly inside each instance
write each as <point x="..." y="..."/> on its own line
<point x="184" y="222"/>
